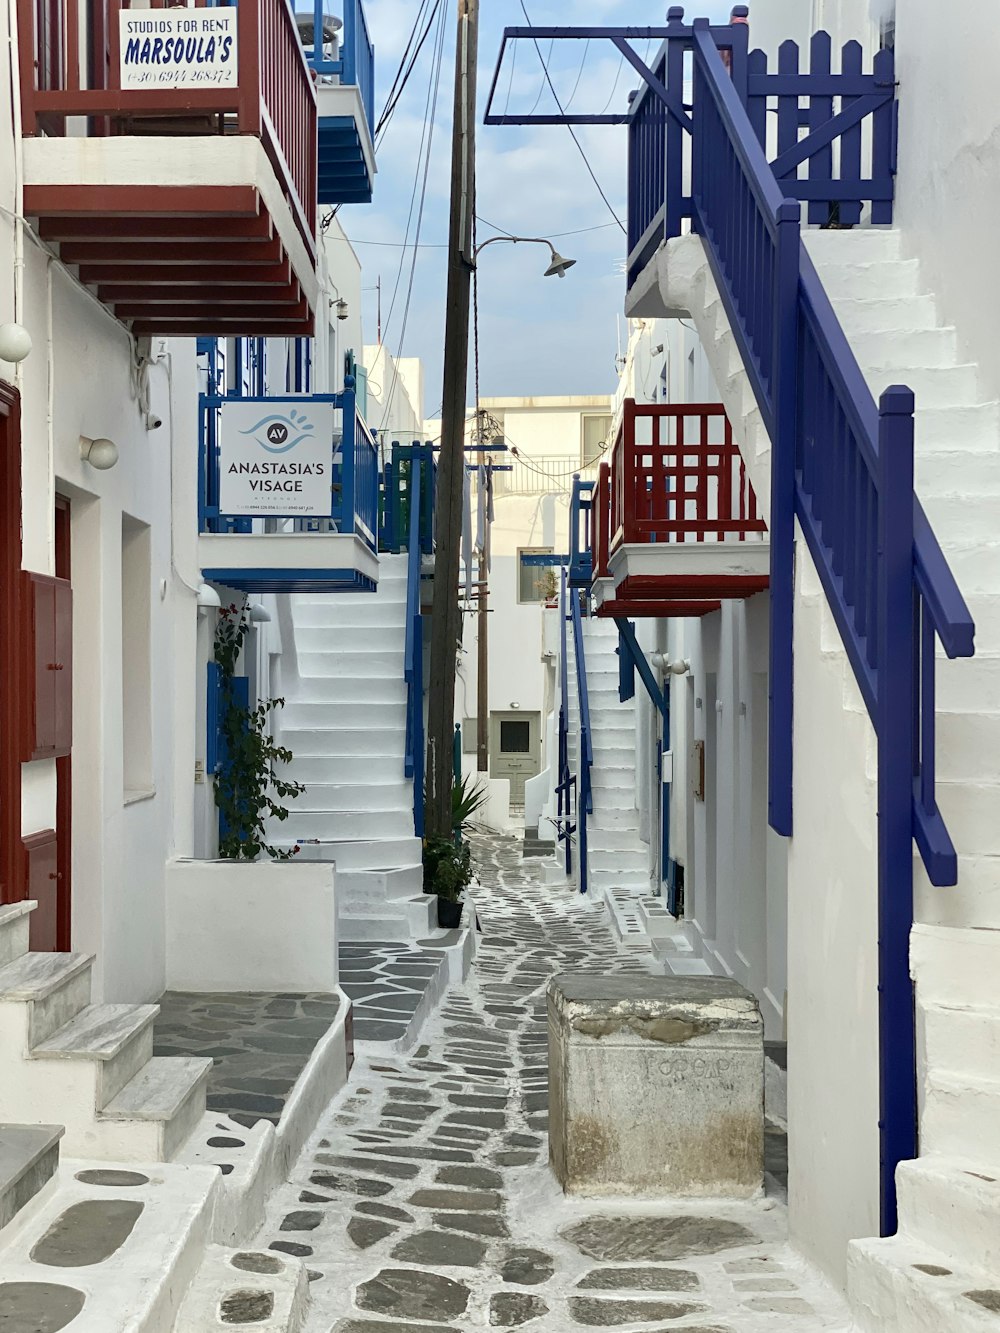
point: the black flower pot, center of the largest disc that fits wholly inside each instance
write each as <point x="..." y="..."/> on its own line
<point x="449" y="914"/>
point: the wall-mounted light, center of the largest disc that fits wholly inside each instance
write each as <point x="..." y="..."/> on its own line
<point x="341" y="307"/>
<point x="208" y="597"/>
<point x="260" y="615"/>
<point x="15" y="343"/>
<point x="662" y="663"/>
<point x="101" y="454"/>
<point x="515" y="706"/>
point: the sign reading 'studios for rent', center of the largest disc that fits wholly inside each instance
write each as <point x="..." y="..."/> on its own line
<point x="178" y="48"/>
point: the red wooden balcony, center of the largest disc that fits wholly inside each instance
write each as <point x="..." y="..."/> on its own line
<point x="180" y="179"/>
<point x="676" y="527"/>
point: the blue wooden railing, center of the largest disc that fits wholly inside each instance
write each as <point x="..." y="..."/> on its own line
<point x="354" y="500"/>
<point x="581" y="555"/>
<point x="356" y="64"/>
<point x="397" y="497"/>
<point x="566" y="786"/>
<point x="830" y="104"/>
<point x="844" y="469"/>
<point x="413" y="660"/>
<point x="585" y="743"/>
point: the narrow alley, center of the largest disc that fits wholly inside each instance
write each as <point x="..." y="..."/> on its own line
<point x="425" y="1194"/>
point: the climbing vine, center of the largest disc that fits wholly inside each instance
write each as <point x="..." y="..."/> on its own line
<point x="248" y="791"/>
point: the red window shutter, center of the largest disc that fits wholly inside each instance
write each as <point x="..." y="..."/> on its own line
<point x="43" y="886"/>
<point x="48" y="645"/>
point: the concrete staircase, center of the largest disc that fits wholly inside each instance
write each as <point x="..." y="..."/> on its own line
<point x="87" y="1066"/>
<point x="619" y="859"/>
<point x="345" y="722"/>
<point x="943" y="1270"/>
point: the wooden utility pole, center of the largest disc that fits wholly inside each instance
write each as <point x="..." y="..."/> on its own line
<point x="483" y="671"/>
<point x="446" y="619"/>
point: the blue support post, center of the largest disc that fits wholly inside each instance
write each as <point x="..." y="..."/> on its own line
<point x="897" y="764"/>
<point x="347" y="457"/>
<point x="782" y="518"/>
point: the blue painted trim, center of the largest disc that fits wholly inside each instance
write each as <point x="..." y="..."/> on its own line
<point x="212" y="707"/>
<point x="585" y="744"/>
<point x="292" y="580"/>
<point x="626" y="637"/>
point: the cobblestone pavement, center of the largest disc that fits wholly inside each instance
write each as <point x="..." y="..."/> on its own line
<point x="425" y="1203"/>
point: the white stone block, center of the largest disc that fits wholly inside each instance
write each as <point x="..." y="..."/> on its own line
<point x="656" y="1086"/>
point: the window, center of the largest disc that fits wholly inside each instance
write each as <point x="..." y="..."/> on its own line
<point x="137" y="738"/>
<point x="534" y="582"/>
<point x="595" y="432"/>
<point x="515" y="736"/>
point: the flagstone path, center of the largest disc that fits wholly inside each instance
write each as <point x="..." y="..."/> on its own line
<point x="424" y="1203"/>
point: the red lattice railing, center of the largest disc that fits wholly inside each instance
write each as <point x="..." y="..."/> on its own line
<point x="675" y="476"/>
<point x="76" y="72"/>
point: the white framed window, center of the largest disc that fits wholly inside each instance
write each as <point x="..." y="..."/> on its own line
<point x="595" y="433"/>
<point x="534" y="582"/>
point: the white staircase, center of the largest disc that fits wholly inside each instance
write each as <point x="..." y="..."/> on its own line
<point x="943" y="1270"/>
<point x="87" y="1066"/>
<point x="618" y="858"/>
<point x="345" y="722"/>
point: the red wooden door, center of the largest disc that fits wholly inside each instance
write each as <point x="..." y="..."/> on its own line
<point x="12" y="887"/>
<point x="64" y="771"/>
<point x="49" y="648"/>
<point x="41" y="857"/>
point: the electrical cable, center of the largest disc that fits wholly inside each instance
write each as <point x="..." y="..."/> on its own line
<point x="392" y="101"/>
<point x="586" y="48"/>
<point x="586" y="160"/>
<point x="435" y="83"/>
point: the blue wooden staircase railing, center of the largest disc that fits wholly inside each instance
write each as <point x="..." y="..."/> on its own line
<point x="585" y="744"/>
<point x="566" y="786"/>
<point x="420" y="486"/>
<point x="844" y="469"/>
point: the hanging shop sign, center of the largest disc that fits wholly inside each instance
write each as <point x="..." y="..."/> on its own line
<point x="276" y="458"/>
<point x="178" y="48"/>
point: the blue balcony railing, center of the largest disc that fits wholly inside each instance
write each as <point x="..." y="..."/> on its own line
<point x="345" y="51"/>
<point x="353" y="470"/>
<point x="581" y="547"/>
<point x="399" y="495"/>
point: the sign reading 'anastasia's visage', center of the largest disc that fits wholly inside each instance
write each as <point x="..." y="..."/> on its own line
<point x="276" y="458"/>
<point x="178" y="48"/>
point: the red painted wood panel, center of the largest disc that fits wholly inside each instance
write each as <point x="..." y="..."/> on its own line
<point x="48" y="646"/>
<point x="40" y="850"/>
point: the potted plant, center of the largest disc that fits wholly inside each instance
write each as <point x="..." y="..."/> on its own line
<point x="550" y="589"/>
<point x="448" y="861"/>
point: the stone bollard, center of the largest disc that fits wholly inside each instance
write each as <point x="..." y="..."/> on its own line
<point x="656" y="1086"/>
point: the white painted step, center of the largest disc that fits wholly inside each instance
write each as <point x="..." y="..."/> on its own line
<point x="968" y="426"/>
<point x="377" y="797"/>
<point x="378" y="639"/>
<point x="928" y="347"/>
<point x="381" y="885"/>
<point x="348" y="824"/>
<point x="141" y="1286"/>
<point x="15" y="919"/>
<point x="900" y="1285"/>
<point x="166" y="1099"/>
<point x="353" y="692"/>
<point x="950" y="1205"/>
<point x="374" y="771"/>
<point x="874" y="315"/>
<point x="857" y="280"/>
<point x="307" y="741"/>
<point x="385" y="663"/>
<point x="273" y="1287"/>
<point x="116" y="1038"/>
<point x="870" y="244"/>
<point x="934" y="386"/>
<point x="956" y="966"/>
<point x="954" y="1039"/>
<point x="363" y="854"/>
<point x="303" y="714"/>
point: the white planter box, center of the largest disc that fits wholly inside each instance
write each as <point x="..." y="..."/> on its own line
<point x="251" y="926"/>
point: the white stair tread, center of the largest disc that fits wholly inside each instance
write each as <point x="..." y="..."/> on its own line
<point x="160" y="1088"/>
<point x="282" y="1290"/>
<point x="33" y="976"/>
<point x="99" y="1032"/>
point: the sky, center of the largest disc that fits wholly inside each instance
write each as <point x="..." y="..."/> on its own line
<point x="538" y="336"/>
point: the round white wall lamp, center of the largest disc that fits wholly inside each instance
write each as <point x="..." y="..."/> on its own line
<point x="260" y="615"/>
<point x="101" y="454"/>
<point x="15" y="343"/>
<point x="208" y="597"/>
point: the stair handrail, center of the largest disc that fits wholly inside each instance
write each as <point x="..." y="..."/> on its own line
<point x="566" y="785"/>
<point x="585" y="748"/>
<point x="413" y="658"/>
<point x="844" y="469"/>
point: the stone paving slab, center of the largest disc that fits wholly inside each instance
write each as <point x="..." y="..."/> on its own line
<point x="473" y="1232"/>
<point x="259" y="1044"/>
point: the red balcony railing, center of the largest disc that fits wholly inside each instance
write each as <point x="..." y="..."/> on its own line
<point x="70" y="67"/>
<point x="676" y="476"/>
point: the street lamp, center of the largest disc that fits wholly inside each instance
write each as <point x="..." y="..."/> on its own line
<point x="558" y="266"/>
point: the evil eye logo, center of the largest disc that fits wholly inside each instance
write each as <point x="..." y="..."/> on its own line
<point x="277" y="433"/>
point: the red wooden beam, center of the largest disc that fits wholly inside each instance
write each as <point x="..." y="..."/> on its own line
<point x="134" y="227"/>
<point x="184" y="275"/>
<point x="207" y="312"/>
<point x="141" y="200"/>
<point x="172" y="252"/>
<point x="172" y="294"/>
<point x="220" y="327"/>
<point x="692" y="585"/>
<point x="653" y="610"/>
